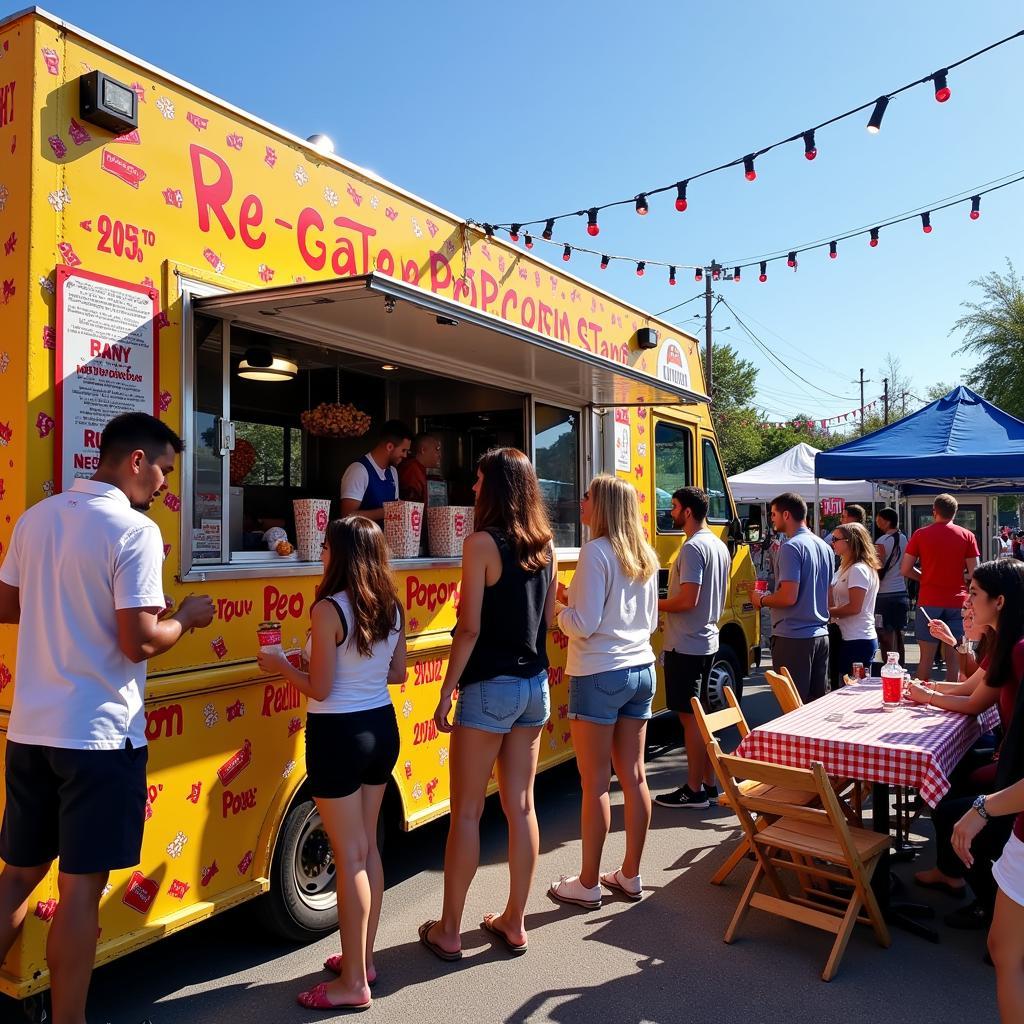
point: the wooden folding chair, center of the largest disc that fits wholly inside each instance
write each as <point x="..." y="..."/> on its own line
<point x="790" y="837"/>
<point x="784" y="689"/>
<point x="717" y="722"/>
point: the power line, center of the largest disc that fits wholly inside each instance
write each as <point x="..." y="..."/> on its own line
<point x="789" y="371"/>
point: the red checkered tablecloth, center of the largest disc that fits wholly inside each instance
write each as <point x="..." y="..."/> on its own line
<point x="854" y="737"/>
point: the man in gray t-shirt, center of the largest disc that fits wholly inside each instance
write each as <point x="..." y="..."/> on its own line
<point x="697" y="585"/>
<point x="799" y="605"/>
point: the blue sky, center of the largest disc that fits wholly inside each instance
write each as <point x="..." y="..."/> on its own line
<point x="508" y="111"/>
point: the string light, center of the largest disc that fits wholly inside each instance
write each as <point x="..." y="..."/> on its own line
<point x="529" y="241"/>
<point x="549" y="229"/>
<point x="514" y="233"/>
<point x="875" y="122"/>
<point x="748" y="168"/>
<point x="641" y="204"/>
<point x="763" y="276"/>
<point x="672" y="275"/>
<point x="926" y="223"/>
<point x="640" y="268"/>
<point x="715" y="269"/>
<point x="938" y="80"/>
<point x="592" y="228"/>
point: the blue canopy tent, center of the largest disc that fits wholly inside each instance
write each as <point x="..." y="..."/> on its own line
<point x="958" y="443"/>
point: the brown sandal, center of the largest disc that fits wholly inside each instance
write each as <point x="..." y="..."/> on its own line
<point x="438" y="951"/>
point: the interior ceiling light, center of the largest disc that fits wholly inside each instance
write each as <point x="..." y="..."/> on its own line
<point x="261" y="364"/>
<point x="388" y="366"/>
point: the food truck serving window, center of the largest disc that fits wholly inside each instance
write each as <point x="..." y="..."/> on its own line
<point x="288" y="389"/>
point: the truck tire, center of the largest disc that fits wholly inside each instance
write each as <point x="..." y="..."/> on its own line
<point x="725" y="671"/>
<point x="302" y="905"/>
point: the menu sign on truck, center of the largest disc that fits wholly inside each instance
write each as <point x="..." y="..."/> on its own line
<point x="106" y="364"/>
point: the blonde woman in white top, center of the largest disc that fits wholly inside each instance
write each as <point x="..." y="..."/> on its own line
<point x="852" y="594"/>
<point x="609" y="613"/>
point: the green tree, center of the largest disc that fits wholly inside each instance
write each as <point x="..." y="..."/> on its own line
<point x="993" y="330"/>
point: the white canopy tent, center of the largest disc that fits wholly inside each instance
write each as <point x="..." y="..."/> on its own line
<point x="793" y="470"/>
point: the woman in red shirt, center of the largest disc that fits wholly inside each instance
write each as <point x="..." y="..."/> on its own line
<point x="996" y="601"/>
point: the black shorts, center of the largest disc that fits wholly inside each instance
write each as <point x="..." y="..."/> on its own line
<point x="346" y="751"/>
<point x="87" y="807"/>
<point x="892" y="608"/>
<point x="684" y="674"/>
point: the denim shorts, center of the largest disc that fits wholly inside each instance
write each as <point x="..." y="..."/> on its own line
<point x="504" y="703"/>
<point x="952" y="617"/>
<point x="605" y="697"/>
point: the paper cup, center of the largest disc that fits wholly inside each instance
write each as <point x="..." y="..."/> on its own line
<point x="311" y="518"/>
<point x="403" y="521"/>
<point x="447" y="528"/>
<point x="268" y="634"/>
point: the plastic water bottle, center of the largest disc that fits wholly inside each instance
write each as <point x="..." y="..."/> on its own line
<point x="892" y="681"/>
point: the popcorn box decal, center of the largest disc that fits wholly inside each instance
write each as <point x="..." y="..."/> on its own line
<point x="140" y="893"/>
<point x="447" y="527"/>
<point x="311" y="517"/>
<point x="403" y="521"/>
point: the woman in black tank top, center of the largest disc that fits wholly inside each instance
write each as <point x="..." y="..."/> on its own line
<point x="499" y="663"/>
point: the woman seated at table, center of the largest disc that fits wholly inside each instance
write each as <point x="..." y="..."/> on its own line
<point x="996" y="603"/>
<point x="851" y="600"/>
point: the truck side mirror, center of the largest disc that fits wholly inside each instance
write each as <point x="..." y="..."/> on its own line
<point x="753" y="533"/>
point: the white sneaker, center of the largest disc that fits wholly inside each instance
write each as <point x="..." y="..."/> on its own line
<point x="631" y="888"/>
<point x="569" y="889"/>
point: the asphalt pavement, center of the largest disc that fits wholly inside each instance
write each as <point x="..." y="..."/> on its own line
<point x="662" y="960"/>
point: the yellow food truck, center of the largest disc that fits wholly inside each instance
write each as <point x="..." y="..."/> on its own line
<point x="165" y="251"/>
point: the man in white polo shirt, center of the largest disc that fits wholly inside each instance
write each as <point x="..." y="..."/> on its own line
<point x="83" y="580"/>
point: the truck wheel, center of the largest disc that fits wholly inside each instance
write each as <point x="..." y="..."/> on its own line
<point x="302" y="905"/>
<point x="725" y="671"/>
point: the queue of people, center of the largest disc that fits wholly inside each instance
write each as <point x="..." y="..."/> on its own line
<point x="75" y="767"/>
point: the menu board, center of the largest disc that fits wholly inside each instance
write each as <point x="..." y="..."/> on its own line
<point x="106" y="364"/>
<point x="623" y="449"/>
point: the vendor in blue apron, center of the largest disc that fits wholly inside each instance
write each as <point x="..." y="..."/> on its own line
<point x="373" y="479"/>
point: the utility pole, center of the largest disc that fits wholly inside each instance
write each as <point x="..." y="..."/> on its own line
<point x="707" y="328"/>
<point x="885" y="399"/>
<point x="862" y="382"/>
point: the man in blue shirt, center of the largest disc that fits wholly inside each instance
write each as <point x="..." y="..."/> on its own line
<point x="799" y="605"/>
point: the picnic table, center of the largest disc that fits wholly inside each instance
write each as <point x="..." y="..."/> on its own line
<point x="855" y="737"/>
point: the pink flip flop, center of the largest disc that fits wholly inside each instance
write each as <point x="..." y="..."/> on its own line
<point x="316" y="999"/>
<point x="333" y="964"/>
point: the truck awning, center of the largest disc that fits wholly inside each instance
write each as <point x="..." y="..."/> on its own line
<point x="404" y="324"/>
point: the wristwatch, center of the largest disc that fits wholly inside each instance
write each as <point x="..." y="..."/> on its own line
<point x="979" y="806"/>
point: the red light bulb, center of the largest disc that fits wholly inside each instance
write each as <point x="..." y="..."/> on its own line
<point x="748" y="168"/>
<point x="975" y="207"/>
<point x="604" y="262"/>
<point x="640" y="267"/>
<point x="942" y="90"/>
<point x="762" y="278"/>
<point x="926" y="223"/>
<point x="641" y="205"/>
<point x="874" y="238"/>
<point x="810" y="149"/>
<point x="567" y="253"/>
<point x="832" y="251"/>
<point x="672" y="275"/>
<point x="529" y="242"/>
<point x="764" y="272"/>
<point x="592" y="228"/>
<point x="681" y="196"/>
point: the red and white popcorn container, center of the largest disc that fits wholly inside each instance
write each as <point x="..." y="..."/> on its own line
<point x="403" y="522"/>
<point x="447" y="527"/>
<point x="311" y="518"/>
